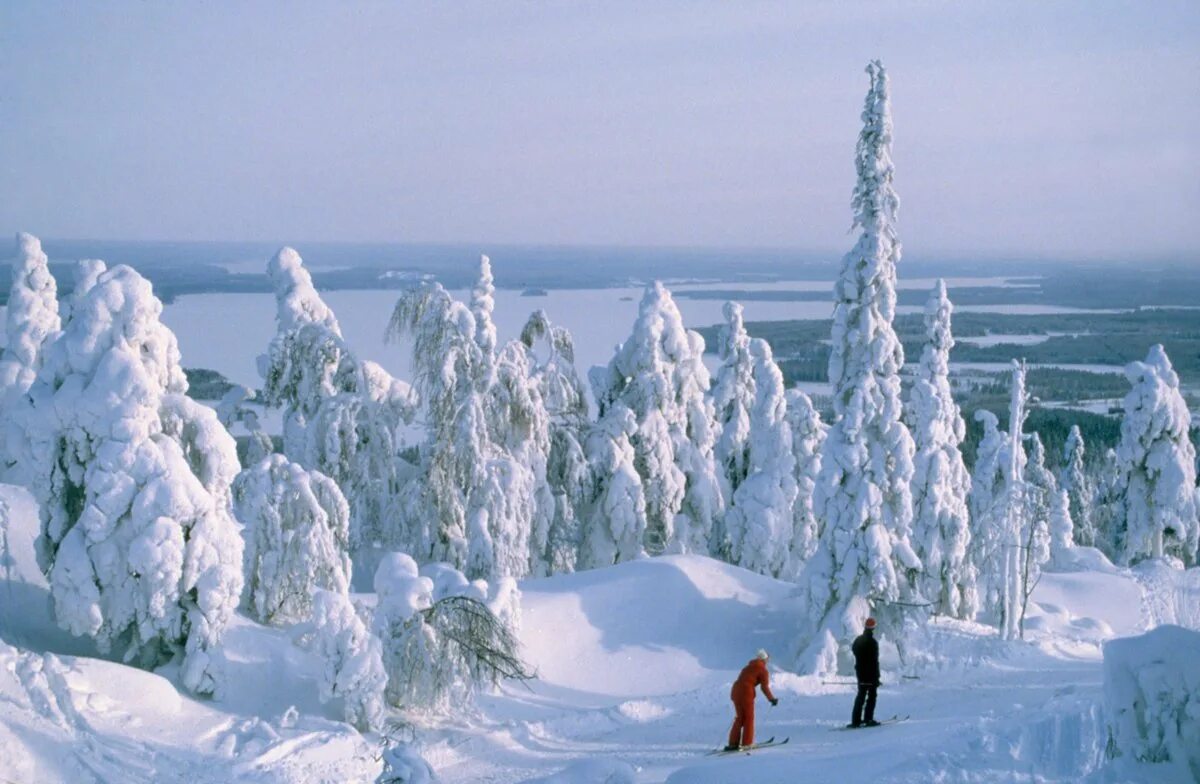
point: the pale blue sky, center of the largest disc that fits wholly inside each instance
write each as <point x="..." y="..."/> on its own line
<point x="1041" y="128"/>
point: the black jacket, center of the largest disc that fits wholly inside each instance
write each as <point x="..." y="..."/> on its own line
<point x="866" y="658"/>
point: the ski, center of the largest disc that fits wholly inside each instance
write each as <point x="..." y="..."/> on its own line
<point x="893" y="720"/>
<point x="747" y="749"/>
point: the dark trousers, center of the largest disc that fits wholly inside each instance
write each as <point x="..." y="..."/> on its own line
<point x="866" y="691"/>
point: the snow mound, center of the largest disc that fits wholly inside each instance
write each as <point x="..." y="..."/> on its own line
<point x="653" y="626"/>
<point x="1152" y="695"/>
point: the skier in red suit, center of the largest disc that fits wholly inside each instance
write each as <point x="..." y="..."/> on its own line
<point x="753" y="675"/>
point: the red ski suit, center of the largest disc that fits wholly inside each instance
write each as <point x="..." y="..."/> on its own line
<point x="753" y="674"/>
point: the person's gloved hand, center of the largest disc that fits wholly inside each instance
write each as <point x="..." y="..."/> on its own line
<point x="774" y="702"/>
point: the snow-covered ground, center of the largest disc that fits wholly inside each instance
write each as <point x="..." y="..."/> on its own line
<point x="634" y="664"/>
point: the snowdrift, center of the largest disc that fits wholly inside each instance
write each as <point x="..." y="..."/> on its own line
<point x="654" y="626"/>
<point x="1152" y="698"/>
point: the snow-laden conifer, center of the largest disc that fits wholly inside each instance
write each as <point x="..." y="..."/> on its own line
<point x="133" y="478"/>
<point x="352" y="659"/>
<point x="614" y="512"/>
<point x="759" y="519"/>
<point x="864" y="563"/>
<point x="1108" y="507"/>
<point x="1080" y="489"/>
<point x="342" y="417"/>
<point x="1062" y="529"/>
<point x="32" y="318"/>
<point x="658" y="373"/>
<point x="988" y="503"/>
<point x="733" y="397"/>
<point x="86" y="273"/>
<point x="1157" y="466"/>
<point x="563" y="396"/>
<point x="296" y="525"/>
<point x="941" y="484"/>
<point x="1041" y="495"/>
<point x="808" y="438"/>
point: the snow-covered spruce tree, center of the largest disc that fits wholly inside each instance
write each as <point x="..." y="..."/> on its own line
<point x="658" y="373"/>
<point x="342" y="417"/>
<point x="138" y="540"/>
<point x="1041" y="499"/>
<point x="297" y="528"/>
<point x="1157" y="466"/>
<point x="1108" y="506"/>
<point x="759" y="519"/>
<point x="614" y="511"/>
<point x="32" y="317"/>
<point x="474" y="502"/>
<point x="864" y="563"/>
<point x="1062" y="530"/>
<point x="1080" y="489"/>
<point x="353" y="660"/>
<point x="808" y="438"/>
<point x="87" y="272"/>
<point x="566" y="405"/>
<point x="988" y="503"/>
<point x="1015" y="545"/>
<point x="941" y="484"/>
<point x="733" y="397"/>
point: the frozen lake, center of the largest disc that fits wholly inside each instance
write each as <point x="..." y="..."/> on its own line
<point x="226" y="332"/>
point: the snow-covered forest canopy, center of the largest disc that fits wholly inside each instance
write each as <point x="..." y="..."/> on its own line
<point x="390" y="528"/>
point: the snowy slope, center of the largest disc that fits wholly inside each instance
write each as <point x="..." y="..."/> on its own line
<point x="634" y="666"/>
<point x="68" y="717"/>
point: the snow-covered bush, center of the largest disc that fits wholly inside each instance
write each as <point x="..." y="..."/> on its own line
<point x="442" y="634"/>
<point x="615" y="508"/>
<point x="1080" y="489"/>
<point x="759" y="520"/>
<point x="297" y="527"/>
<point x="1152" y="698"/>
<point x="403" y="765"/>
<point x="352" y="656"/>
<point x="808" y="437"/>
<point x="864" y="563"/>
<point x="133" y="478"/>
<point x="342" y="416"/>
<point x="941" y="484"/>
<point x="1157" y="466"/>
<point x="658" y="373"/>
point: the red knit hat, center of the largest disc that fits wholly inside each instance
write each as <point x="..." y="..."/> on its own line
<point x="870" y="624"/>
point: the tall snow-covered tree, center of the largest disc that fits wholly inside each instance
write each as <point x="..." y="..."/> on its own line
<point x="1080" y="489"/>
<point x="941" y="484"/>
<point x="87" y="272"/>
<point x="297" y="530"/>
<point x="1108" y="507"/>
<point x="138" y="538"/>
<point x="864" y="563"/>
<point x="988" y="501"/>
<point x="1041" y="496"/>
<point x="1062" y="530"/>
<point x="1016" y="547"/>
<point x="566" y="405"/>
<point x="808" y="438"/>
<point x="658" y="373"/>
<point x="480" y="501"/>
<point x="614" y="511"/>
<point x="1157" y="466"/>
<point x="32" y="316"/>
<point x="759" y="519"/>
<point x="342" y="417"/>
<point x="733" y="397"/>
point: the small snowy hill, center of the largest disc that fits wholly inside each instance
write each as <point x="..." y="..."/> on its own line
<point x="652" y="627"/>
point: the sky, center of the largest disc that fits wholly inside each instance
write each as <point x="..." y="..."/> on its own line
<point x="1042" y="129"/>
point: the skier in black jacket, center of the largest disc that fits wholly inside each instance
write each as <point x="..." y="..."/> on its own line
<point x="866" y="670"/>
